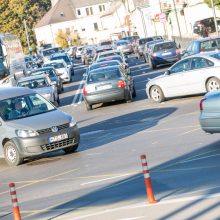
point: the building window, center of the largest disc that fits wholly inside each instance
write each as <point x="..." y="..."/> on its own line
<point x="96" y="28"/>
<point x="78" y="12"/>
<point x="101" y="8"/>
<point x="87" y="11"/>
<point x="91" y="11"/>
<point x="83" y="29"/>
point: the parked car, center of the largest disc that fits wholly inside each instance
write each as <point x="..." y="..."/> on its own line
<point x="42" y="85"/>
<point x="108" y="84"/>
<point x="62" y="69"/>
<point x="28" y="127"/>
<point x="196" y="74"/>
<point x="210" y="112"/>
<point x="125" y="46"/>
<point x="202" y="45"/>
<point x="78" y="52"/>
<point x="148" y="47"/>
<point x="52" y="74"/>
<point x="66" y="59"/>
<point x="163" y="53"/>
<point x="139" y="46"/>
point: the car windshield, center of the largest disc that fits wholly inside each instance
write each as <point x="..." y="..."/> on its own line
<point x="145" y="40"/>
<point x="164" y="46"/>
<point x="103" y="75"/>
<point x="122" y="43"/>
<point x="55" y="65"/>
<point x="65" y="58"/>
<point x="210" y="45"/>
<point x="110" y="59"/>
<point x="100" y="65"/>
<point x="24" y="106"/>
<point x="49" y="52"/>
<point x="48" y="72"/>
<point x="34" y="84"/>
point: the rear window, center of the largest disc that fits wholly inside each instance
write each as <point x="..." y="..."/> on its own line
<point x="110" y="59"/>
<point x="144" y="41"/>
<point x="34" y="84"/>
<point x="104" y="75"/>
<point x="164" y="46"/>
<point x="122" y="43"/>
<point x="49" y="72"/>
<point x="55" y="65"/>
<point x="65" y="58"/>
<point x="109" y="54"/>
<point x="105" y="43"/>
<point x="210" y="45"/>
<point x="96" y="66"/>
<point x="216" y="56"/>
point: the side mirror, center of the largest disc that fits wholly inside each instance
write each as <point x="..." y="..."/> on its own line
<point x="167" y="72"/>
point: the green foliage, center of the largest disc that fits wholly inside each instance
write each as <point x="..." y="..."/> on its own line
<point x="13" y="13"/>
<point x="216" y="3"/>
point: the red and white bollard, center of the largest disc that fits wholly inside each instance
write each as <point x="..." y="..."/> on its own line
<point x="14" y="201"/>
<point x="147" y="180"/>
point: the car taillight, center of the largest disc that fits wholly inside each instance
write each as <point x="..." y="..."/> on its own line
<point x="85" y="90"/>
<point x="177" y="52"/>
<point x="121" y="84"/>
<point x="154" y="54"/>
<point x="201" y="104"/>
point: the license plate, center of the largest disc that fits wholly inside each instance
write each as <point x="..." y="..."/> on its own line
<point x="167" y="53"/>
<point x="98" y="88"/>
<point x="58" y="138"/>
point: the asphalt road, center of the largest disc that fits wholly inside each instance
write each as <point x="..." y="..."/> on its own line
<point x="104" y="179"/>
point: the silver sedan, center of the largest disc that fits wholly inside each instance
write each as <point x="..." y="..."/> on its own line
<point x="197" y="74"/>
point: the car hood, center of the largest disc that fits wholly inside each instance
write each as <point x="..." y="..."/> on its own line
<point x="44" y="90"/>
<point x="155" y="80"/>
<point x="41" y="121"/>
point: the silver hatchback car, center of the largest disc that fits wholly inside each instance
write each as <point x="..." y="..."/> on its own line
<point x="30" y="125"/>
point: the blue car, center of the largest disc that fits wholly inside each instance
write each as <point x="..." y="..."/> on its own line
<point x="164" y="53"/>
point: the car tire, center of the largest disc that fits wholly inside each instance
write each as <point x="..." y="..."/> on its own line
<point x="134" y="93"/>
<point x="70" y="149"/>
<point x="156" y="94"/>
<point x="213" y="84"/>
<point x="128" y="98"/>
<point x="12" y="155"/>
<point x="152" y="65"/>
<point x="88" y="106"/>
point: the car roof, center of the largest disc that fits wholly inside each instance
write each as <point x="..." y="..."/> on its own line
<point x="104" y="68"/>
<point x="11" y="92"/>
<point x="206" y="39"/>
<point x="31" y="78"/>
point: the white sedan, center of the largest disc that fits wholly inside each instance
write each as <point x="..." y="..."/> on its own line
<point x="193" y="75"/>
<point x="62" y="69"/>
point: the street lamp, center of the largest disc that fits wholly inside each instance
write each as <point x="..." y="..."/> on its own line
<point x="214" y="15"/>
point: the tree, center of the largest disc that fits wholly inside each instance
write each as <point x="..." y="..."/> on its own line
<point x="13" y="13"/>
<point x="216" y="3"/>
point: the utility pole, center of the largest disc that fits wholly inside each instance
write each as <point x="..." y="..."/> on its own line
<point x="214" y="15"/>
<point x="174" y="4"/>
<point x="27" y="36"/>
<point x="143" y="20"/>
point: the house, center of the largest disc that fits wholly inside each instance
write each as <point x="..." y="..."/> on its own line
<point x="77" y="19"/>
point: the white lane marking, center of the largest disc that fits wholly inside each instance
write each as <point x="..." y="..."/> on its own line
<point x="188" y="132"/>
<point x="94" y="154"/>
<point x="78" y="91"/>
<point x="91" y="132"/>
<point x="102" y="180"/>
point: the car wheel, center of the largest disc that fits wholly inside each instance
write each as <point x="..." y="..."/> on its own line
<point x="12" y="156"/>
<point x="152" y="65"/>
<point x="134" y="93"/>
<point x="128" y="97"/>
<point x="71" y="149"/>
<point x="157" y="94"/>
<point x="88" y="106"/>
<point x="213" y="84"/>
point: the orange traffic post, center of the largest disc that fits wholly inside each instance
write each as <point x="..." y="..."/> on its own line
<point x="14" y="201"/>
<point x="147" y="180"/>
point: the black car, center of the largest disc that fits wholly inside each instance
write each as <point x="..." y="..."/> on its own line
<point x="64" y="56"/>
<point x="52" y="74"/>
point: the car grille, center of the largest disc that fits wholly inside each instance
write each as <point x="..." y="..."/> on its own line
<point x="57" y="145"/>
<point x="48" y="130"/>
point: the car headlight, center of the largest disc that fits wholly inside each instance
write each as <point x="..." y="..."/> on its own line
<point x="72" y="123"/>
<point x="26" y="133"/>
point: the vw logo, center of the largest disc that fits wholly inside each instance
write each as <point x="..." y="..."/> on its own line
<point x="54" y="129"/>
